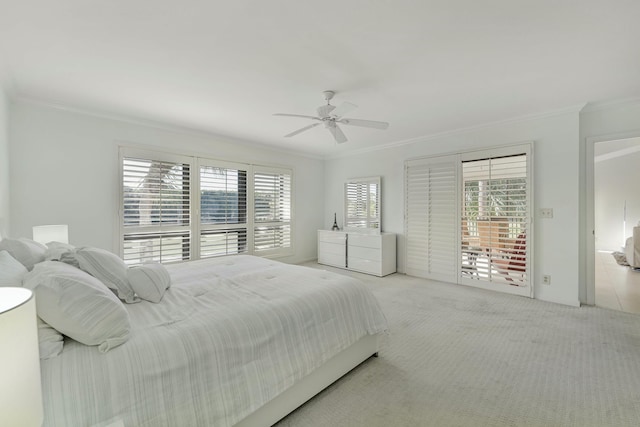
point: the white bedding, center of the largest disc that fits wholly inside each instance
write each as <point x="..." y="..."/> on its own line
<point x="229" y="335"/>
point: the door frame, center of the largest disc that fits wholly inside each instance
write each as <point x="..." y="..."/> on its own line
<point x="589" y="287"/>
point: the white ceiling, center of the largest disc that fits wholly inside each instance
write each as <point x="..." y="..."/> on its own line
<point x="225" y="67"/>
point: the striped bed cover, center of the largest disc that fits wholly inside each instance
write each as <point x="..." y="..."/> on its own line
<point x="229" y="335"/>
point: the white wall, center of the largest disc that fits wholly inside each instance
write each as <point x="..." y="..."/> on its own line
<point x="54" y="151"/>
<point x="616" y="181"/>
<point x="64" y="169"/>
<point x="556" y="183"/>
<point x="4" y="164"/>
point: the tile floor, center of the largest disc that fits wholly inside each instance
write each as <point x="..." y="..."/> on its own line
<point x="617" y="286"/>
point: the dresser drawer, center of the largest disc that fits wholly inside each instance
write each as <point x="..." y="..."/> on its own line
<point x="364" y="240"/>
<point x="365" y="266"/>
<point x="331" y="248"/>
<point x="372" y="254"/>
<point x="336" y="237"/>
<point x="332" y="259"/>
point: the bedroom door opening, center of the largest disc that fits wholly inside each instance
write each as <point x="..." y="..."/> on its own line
<point x="616" y="205"/>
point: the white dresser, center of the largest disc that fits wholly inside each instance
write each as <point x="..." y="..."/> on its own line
<point x="366" y="253"/>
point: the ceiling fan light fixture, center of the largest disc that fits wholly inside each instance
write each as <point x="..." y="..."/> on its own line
<point x="328" y="95"/>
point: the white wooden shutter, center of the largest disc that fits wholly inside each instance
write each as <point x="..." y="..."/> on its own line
<point x="496" y="186"/>
<point x="223" y="191"/>
<point x="272" y="211"/>
<point x="177" y="208"/>
<point x="362" y="208"/>
<point x="431" y="212"/>
<point x="156" y="212"/>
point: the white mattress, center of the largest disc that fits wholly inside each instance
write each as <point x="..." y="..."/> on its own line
<point x="230" y="334"/>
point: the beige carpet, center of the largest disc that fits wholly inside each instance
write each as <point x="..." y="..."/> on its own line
<point x="459" y="356"/>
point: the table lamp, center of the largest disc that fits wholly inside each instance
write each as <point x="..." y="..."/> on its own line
<point x="51" y="233"/>
<point x="20" y="387"/>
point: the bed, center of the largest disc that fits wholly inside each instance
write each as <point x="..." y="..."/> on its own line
<point x="632" y="248"/>
<point x="235" y="341"/>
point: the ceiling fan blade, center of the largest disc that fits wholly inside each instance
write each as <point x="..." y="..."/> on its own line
<point x="325" y="110"/>
<point x="343" y="109"/>
<point x="297" y="115"/>
<point x="364" y="123"/>
<point x="337" y="134"/>
<point x="302" y="130"/>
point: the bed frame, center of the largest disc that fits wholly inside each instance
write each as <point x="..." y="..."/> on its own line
<point x="312" y="384"/>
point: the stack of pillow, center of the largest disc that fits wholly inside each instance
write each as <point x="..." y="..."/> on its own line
<point x="79" y="291"/>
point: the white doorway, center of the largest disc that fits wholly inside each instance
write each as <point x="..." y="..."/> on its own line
<point x="616" y="211"/>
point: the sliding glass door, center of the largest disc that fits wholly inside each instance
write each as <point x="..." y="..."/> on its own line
<point x="495" y="221"/>
<point x="468" y="218"/>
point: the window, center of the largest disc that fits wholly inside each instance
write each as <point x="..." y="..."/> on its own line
<point x="176" y="208"/>
<point x="362" y="203"/>
<point x="223" y="210"/>
<point x="272" y="210"/>
<point x="495" y="215"/>
<point x="156" y="209"/>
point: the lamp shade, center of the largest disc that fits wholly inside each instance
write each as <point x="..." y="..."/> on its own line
<point x="20" y="387"/>
<point x="51" y="233"/>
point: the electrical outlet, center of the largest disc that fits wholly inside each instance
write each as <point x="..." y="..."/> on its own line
<point x="546" y="279"/>
<point x="546" y="212"/>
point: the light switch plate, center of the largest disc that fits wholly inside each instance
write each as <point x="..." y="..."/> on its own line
<point x="546" y="212"/>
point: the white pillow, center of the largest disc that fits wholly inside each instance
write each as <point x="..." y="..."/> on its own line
<point x="50" y="341"/>
<point x="149" y="281"/>
<point x="27" y="251"/>
<point x="106" y="267"/>
<point x="11" y="270"/>
<point x="78" y="305"/>
<point x="56" y="249"/>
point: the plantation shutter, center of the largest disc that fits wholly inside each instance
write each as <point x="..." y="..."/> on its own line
<point x="272" y="210"/>
<point x="223" y="209"/>
<point x="361" y="199"/>
<point x="496" y="242"/>
<point x="156" y="213"/>
<point x="431" y="211"/>
<point x="178" y="208"/>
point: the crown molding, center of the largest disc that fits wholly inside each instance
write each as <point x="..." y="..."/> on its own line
<point x="23" y="99"/>
<point x="610" y="105"/>
<point x="573" y="109"/>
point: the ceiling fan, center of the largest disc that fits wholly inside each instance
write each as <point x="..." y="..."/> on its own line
<point x="331" y="116"/>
